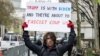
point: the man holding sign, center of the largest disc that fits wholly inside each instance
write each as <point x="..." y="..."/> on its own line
<point x="50" y="17"/>
<point x="49" y="47"/>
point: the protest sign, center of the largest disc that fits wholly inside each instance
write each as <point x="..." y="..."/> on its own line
<point x="47" y="16"/>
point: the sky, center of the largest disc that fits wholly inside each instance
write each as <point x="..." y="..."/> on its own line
<point x="23" y="3"/>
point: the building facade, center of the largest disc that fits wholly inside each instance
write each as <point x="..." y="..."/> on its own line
<point x="18" y="10"/>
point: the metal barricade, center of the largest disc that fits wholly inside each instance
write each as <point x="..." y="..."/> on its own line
<point x="15" y="51"/>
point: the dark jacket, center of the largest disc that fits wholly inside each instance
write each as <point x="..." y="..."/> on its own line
<point x="58" y="50"/>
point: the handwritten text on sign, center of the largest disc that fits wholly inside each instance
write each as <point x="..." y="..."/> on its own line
<point x="48" y="16"/>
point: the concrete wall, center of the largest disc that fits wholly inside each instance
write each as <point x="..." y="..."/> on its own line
<point x="88" y="33"/>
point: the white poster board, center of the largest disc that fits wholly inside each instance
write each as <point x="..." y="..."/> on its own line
<point x="51" y="17"/>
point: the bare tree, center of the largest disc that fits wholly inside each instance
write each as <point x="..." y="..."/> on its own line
<point x="86" y="8"/>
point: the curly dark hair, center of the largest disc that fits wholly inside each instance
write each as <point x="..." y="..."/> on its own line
<point x="52" y="36"/>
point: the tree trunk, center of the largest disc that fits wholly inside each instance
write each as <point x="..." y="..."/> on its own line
<point x="78" y="27"/>
<point x="96" y="28"/>
<point x="99" y="24"/>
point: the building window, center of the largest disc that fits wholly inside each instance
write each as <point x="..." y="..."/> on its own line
<point x="82" y="35"/>
<point x="82" y="17"/>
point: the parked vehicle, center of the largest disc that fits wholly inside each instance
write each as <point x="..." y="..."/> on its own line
<point x="11" y="40"/>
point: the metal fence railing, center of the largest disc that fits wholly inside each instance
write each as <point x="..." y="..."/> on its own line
<point x="15" y="51"/>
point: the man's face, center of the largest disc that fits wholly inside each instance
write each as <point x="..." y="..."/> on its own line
<point x="49" y="42"/>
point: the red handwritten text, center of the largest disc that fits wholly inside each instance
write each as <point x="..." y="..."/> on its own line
<point x="37" y="21"/>
<point x="32" y="7"/>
